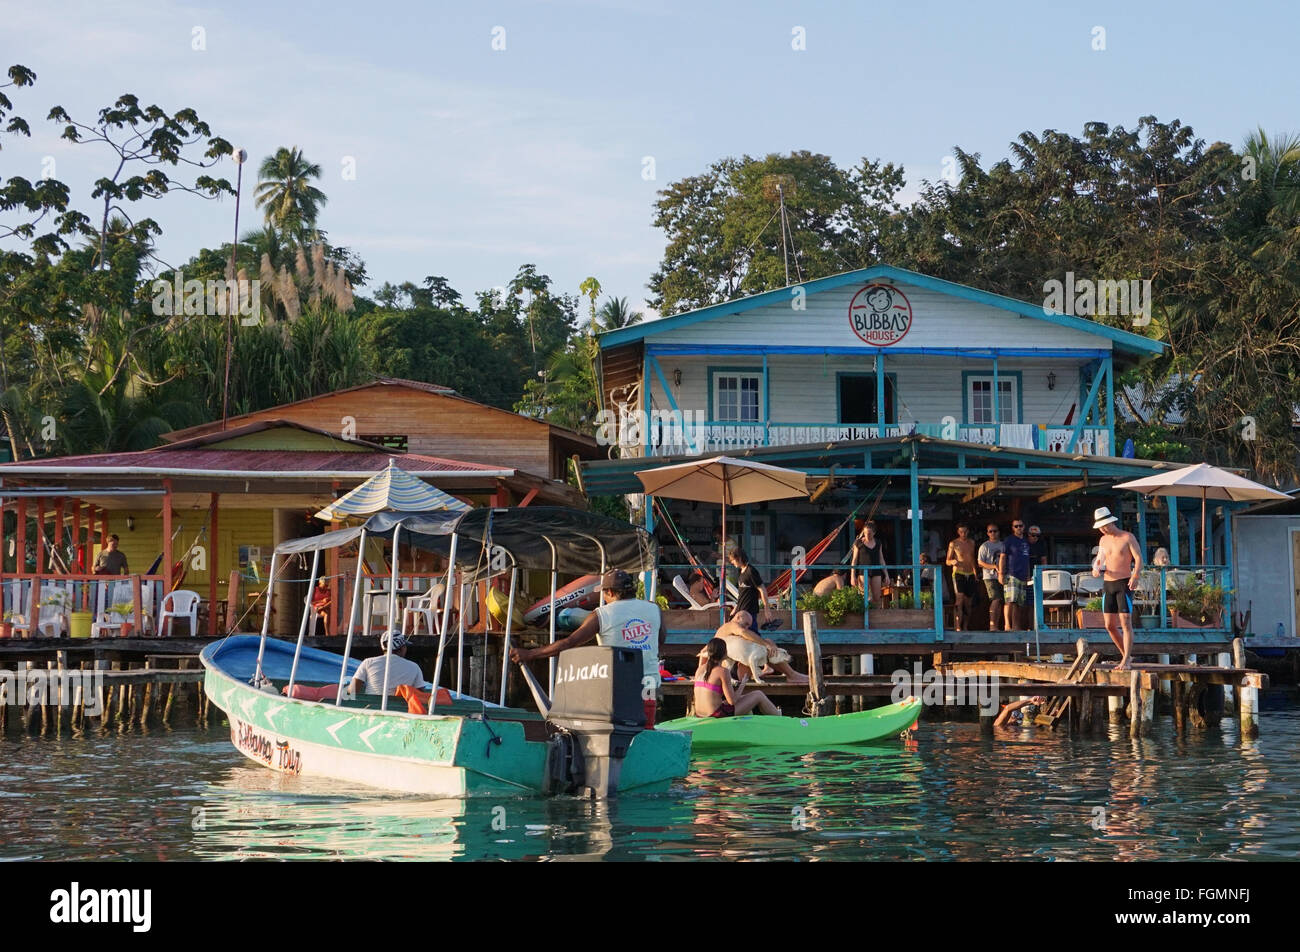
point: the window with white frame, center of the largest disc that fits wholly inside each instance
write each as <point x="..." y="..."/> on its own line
<point x="737" y="396"/>
<point x="979" y="400"/>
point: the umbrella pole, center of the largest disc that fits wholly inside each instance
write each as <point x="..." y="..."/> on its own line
<point x="722" y="563"/>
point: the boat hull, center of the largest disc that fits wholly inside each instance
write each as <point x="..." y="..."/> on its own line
<point x="798" y="733"/>
<point x="443" y="756"/>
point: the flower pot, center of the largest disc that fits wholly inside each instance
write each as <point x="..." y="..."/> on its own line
<point x="850" y="621"/>
<point x="6" y="629"/>
<point x="79" y="624"/>
<point x="1196" y="623"/>
<point x="1148" y="621"/>
<point x="1090" y="619"/>
<point x="901" y="618"/>
<point x="127" y="629"/>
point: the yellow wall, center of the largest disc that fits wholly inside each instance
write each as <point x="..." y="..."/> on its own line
<point x="235" y="527"/>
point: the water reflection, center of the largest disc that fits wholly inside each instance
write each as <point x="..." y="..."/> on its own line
<point x="949" y="793"/>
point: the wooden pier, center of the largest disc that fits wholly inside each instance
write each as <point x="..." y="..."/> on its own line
<point x="100" y="696"/>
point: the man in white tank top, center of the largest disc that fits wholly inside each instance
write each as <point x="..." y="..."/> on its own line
<point x="622" y="621"/>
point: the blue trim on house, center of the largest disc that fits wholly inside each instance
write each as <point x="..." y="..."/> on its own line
<point x="1125" y="340"/>
<point x="891" y="378"/>
<point x="974" y="353"/>
<point x="758" y="372"/>
<point x="965" y="394"/>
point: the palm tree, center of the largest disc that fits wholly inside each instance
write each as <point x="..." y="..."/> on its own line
<point x="1275" y="164"/>
<point x="285" y="193"/>
<point x="615" y="313"/>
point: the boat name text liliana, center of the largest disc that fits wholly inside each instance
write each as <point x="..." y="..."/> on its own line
<point x="276" y="754"/>
<point x="588" y="672"/>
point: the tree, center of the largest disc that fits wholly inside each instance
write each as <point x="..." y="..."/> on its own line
<point x="615" y="313"/>
<point x="284" y="192"/>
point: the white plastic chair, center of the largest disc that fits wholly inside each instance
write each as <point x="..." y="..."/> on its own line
<point x="179" y="604"/>
<point x="424" y="606"/>
<point x="1087" y="587"/>
<point x="1058" y="589"/>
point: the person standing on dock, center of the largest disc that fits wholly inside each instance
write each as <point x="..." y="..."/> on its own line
<point x="1014" y="567"/>
<point x="961" y="556"/>
<point x="622" y="621"/>
<point x="989" y="554"/>
<point x="1123" y="565"/>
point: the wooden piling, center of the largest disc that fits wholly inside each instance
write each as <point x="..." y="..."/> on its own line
<point x="1085" y="711"/>
<point x="1180" y="705"/>
<point x="145" y="704"/>
<point x="1135" y="704"/>
<point x="167" y="706"/>
<point x="816" y="686"/>
<point x="1115" y="708"/>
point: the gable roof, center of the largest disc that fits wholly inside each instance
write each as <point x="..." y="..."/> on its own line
<point x="571" y="436"/>
<point x="1123" y="340"/>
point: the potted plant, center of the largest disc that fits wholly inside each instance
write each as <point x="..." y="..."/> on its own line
<point x="7" y="625"/>
<point x="841" y="609"/>
<point x="1197" y="605"/>
<point x="1090" y="615"/>
<point x="124" y="612"/>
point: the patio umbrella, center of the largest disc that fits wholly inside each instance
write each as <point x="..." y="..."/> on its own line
<point x="1203" y="482"/>
<point x="728" y="481"/>
<point x="392" y="490"/>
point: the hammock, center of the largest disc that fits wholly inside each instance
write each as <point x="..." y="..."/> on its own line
<point x="681" y="543"/>
<point x="782" y="581"/>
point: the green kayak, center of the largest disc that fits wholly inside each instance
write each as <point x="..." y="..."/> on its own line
<point x="798" y="733"/>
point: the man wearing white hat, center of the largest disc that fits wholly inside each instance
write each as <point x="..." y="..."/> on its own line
<point x="1119" y="563"/>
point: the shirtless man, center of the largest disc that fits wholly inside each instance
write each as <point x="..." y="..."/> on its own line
<point x="961" y="556"/>
<point x="833" y="582"/>
<point x="739" y="629"/>
<point x="1123" y="561"/>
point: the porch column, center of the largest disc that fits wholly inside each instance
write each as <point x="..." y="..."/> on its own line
<point x="332" y="567"/>
<point x="1142" y="528"/>
<point x="57" y="544"/>
<point x="3" y="548"/>
<point x="997" y="404"/>
<point x="213" y="558"/>
<point x="78" y="560"/>
<point x="1227" y="581"/>
<point x="20" y="551"/>
<point x="916" y="532"/>
<point x="647" y="578"/>
<point x="166" y="541"/>
<point x="40" y="535"/>
<point x="1174" y="557"/>
<point x="880" y="393"/>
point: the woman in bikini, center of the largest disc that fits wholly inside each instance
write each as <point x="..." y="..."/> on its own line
<point x="714" y="695"/>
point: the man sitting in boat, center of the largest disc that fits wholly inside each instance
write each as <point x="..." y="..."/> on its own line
<point x="623" y="621"/>
<point x="747" y="648"/>
<point x="714" y="694"/>
<point x="369" y="678"/>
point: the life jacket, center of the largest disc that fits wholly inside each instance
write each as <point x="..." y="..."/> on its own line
<point x="417" y="701"/>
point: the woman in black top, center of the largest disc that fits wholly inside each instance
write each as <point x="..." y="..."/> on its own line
<point x="753" y="594"/>
<point x="869" y="551"/>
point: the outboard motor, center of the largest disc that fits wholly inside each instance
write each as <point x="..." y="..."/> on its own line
<point x="596" y="711"/>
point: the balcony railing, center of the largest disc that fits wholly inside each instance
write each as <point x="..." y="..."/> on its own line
<point x="718" y="436"/>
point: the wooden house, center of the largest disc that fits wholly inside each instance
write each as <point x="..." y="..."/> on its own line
<point x="950" y="403"/>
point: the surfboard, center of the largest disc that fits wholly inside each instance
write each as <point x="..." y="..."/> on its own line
<point x="582" y="592"/>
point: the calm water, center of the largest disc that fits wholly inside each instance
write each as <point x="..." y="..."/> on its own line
<point x="948" y="794"/>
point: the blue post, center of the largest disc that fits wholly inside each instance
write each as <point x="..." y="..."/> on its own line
<point x="916" y="531"/>
<point x="880" y="394"/>
<point x="650" y="528"/>
<point x="1038" y="597"/>
<point x="938" y="605"/>
<point x="1142" y="527"/>
<point x="1227" y="561"/>
<point x="997" y="409"/>
<point x="1175" y="558"/>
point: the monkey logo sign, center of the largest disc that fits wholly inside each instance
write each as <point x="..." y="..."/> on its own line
<point x="880" y="315"/>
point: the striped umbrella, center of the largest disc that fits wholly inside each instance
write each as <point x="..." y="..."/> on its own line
<point x="394" y="489"/>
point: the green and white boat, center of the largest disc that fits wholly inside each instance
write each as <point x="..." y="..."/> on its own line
<point x="469" y="746"/>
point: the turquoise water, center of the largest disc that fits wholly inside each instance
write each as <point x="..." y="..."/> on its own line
<point x="947" y="794"/>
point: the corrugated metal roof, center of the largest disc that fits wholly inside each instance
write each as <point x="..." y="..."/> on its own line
<point x="262" y="461"/>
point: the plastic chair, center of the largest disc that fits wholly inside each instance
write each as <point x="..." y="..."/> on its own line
<point x="179" y="604"/>
<point x="1087" y="587"/>
<point x="1058" y="590"/>
<point x="424" y="606"/>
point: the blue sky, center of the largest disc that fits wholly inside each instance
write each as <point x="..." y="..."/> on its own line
<point x="471" y="161"/>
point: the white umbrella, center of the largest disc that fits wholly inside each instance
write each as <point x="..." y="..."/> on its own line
<point x="728" y="481"/>
<point x="1202" y="482"/>
<point x="394" y="489"/>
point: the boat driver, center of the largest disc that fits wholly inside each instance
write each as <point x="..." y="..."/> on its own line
<point x="369" y="678"/>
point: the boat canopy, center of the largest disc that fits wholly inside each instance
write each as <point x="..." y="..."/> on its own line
<point x="326" y="540"/>
<point x="538" y="537"/>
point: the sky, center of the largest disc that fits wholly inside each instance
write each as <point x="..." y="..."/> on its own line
<point x="466" y="139"/>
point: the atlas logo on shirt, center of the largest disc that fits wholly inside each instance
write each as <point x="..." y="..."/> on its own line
<point x="637" y="634"/>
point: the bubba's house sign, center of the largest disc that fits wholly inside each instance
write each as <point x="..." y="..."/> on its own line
<point x="880" y="315"/>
